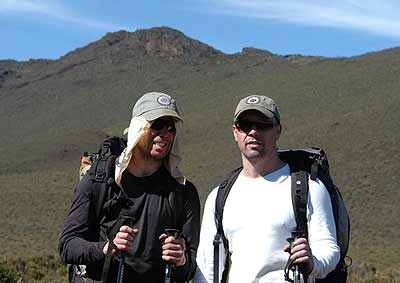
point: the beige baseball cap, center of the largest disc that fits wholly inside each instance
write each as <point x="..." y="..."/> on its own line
<point x="261" y="103"/>
<point x="153" y="105"/>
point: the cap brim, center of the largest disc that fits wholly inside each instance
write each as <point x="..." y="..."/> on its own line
<point x="158" y="113"/>
<point x="267" y="113"/>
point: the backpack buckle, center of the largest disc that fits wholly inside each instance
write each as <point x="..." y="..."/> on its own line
<point x="217" y="240"/>
<point x="106" y="148"/>
<point x="107" y="143"/>
<point x="100" y="174"/>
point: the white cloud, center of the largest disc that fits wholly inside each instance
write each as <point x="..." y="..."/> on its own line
<point x="54" y="9"/>
<point x="375" y="16"/>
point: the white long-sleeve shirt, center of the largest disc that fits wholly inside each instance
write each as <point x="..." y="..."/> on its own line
<point x="258" y="218"/>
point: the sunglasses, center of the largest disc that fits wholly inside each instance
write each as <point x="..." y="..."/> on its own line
<point x="260" y="125"/>
<point x="159" y="124"/>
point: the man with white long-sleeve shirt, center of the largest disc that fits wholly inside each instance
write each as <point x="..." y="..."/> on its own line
<point x="258" y="214"/>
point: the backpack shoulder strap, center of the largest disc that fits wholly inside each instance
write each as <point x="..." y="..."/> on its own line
<point x="223" y="191"/>
<point x="300" y="189"/>
<point x="299" y="200"/>
<point x="102" y="171"/>
<point x="102" y="176"/>
<point x="176" y="201"/>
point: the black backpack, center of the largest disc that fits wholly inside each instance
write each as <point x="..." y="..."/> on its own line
<point x="102" y="169"/>
<point x="106" y="195"/>
<point x="303" y="163"/>
<point x="99" y="167"/>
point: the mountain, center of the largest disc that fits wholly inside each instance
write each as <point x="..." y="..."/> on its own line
<point x="51" y="111"/>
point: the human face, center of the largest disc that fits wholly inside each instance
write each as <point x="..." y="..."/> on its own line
<point x="157" y="142"/>
<point x="256" y="135"/>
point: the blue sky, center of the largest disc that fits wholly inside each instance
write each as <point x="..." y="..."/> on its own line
<point x="51" y="28"/>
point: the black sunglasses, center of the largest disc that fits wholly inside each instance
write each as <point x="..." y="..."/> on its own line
<point x="260" y="125"/>
<point x="159" y="124"/>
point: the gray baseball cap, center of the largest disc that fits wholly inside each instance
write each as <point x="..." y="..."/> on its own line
<point x="153" y="105"/>
<point x="261" y="103"/>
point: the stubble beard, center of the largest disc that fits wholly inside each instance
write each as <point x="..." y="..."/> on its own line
<point x="146" y="145"/>
<point x="253" y="149"/>
<point x="252" y="154"/>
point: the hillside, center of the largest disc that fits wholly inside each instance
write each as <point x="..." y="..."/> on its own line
<point x="53" y="110"/>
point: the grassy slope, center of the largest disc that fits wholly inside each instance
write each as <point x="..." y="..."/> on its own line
<point x="347" y="106"/>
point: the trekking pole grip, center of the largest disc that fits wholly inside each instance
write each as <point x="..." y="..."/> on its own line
<point x="168" y="267"/>
<point x="290" y="265"/>
<point x="129" y="221"/>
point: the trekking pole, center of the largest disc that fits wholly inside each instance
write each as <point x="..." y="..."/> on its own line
<point x="296" y="274"/>
<point x="291" y="265"/>
<point x="121" y="257"/>
<point x="168" y="267"/>
<point x="294" y="268"/>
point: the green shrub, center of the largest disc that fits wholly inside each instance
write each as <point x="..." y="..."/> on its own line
<point x="368" y="273"/>
<point x="46" y="269"/>
<point x="7" y="275"/>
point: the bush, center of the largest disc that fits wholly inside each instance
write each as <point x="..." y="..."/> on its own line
<point x="7" y="275"/>
<point x="46" y="269"/>
<point x="368" y="273"/>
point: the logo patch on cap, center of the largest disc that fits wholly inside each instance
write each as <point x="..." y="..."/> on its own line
<point x="163" y="100"/>
<point x="253" y="100"/>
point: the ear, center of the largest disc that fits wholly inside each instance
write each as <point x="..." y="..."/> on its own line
<point x="234" y="133"/>
<point x="278" y="131"/>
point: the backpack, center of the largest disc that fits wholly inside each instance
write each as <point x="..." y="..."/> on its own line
<point x="99" y="166"/>
<point x="303" y="163"/>
<point x="100" y="169"/>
